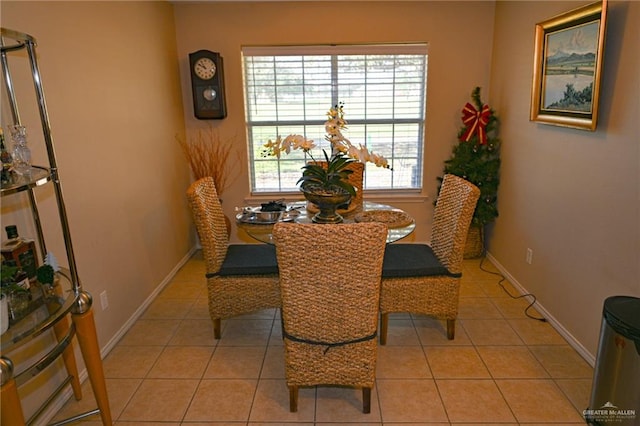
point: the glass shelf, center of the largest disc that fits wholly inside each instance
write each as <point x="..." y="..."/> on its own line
<point x="53" y="309"/>
<point x="37" y="177"/>
<point x="44" y="311"/>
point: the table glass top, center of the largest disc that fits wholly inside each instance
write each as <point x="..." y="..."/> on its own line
<point x="297" y="212"/>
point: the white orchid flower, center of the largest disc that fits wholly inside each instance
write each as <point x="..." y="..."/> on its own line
<point x="300" y="142"/>
<point x="287" y="142"/>
<point x="356" y="153"/>
<point x="333" y="128"/>
<point x="379" y="160"/>
<point x="273" y="147"/>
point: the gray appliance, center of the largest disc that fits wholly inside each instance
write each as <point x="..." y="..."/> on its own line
<point x="615" y="392"/>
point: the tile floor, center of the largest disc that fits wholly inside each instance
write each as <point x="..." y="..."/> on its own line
<point x="502" y="368"/>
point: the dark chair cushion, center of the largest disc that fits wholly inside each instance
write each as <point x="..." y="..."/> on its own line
<point x="412" y="260"/>
<point x="249" y="259"/>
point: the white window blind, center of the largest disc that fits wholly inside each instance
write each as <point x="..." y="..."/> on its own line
<point x="289" y="89"/>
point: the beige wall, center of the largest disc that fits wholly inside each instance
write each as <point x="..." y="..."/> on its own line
<point x="459" y="36"/>
<point x="117" y="84"/>
<point x="572" y="196"/>
<point x="111" y="78"/>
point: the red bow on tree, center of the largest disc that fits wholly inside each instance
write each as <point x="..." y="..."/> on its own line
<point x="476" y="121"/>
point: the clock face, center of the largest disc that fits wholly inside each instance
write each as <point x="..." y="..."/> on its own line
<point x="205" y="68"/>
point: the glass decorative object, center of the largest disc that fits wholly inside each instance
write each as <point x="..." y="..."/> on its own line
<point x="21" y="153"/>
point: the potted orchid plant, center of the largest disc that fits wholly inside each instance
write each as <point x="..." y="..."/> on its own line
<point x="326" y="183"/>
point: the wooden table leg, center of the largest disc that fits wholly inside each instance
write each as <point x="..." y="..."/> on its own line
<point x="88" y="341"/>
<point x="10" y="406"/>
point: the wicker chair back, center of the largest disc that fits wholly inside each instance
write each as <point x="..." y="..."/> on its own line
<point x="255" y="286"/>
<point x="209" y="220"/>
<point x="433" y="291"/>
<point x="330" y="287"/>
<point x="453" y="213"/>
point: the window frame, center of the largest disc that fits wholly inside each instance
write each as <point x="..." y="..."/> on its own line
<point x="283" y="187"/>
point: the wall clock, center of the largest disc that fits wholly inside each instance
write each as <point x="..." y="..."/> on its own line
<point x="207" y="85"/>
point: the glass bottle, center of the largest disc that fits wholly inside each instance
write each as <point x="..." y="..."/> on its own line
<point x="21" y="250"/>
<point x="21" y="153"/>
<point x="22" y="279"/>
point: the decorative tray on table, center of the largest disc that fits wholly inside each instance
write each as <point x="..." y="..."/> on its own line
<point x="258" y="216"/>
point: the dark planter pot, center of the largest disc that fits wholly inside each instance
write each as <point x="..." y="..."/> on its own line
<point x="327" y="203"/>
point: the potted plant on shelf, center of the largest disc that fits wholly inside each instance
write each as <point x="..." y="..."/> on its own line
<point x="46" y="275"/>
<point x="476" y="158"/>
<point x="13" y="297"/>
<point x="326" y="184"/>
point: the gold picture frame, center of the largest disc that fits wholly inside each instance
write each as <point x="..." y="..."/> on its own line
<point x="568" y="66"/>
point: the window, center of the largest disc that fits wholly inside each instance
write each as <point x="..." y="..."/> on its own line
<point x="288" y="90"/>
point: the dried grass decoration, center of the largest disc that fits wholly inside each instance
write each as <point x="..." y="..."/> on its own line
<point x="208" y="155"/>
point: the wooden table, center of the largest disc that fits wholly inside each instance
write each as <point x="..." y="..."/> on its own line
<point x="297" y="212"/>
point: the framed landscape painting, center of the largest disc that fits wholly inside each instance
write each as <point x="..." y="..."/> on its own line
<point x="567" y="67"/>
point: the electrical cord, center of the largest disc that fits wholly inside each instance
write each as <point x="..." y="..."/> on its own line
<point x="500" y="283"/>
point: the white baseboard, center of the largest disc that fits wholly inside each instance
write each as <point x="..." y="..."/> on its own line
<point x="571" y="340"/>
<point x="57" y="404"/>
<point x="143" y="307"/>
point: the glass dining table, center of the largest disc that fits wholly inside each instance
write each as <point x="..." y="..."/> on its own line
<point x="399" y="223"/>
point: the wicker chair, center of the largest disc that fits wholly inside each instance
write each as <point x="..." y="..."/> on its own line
<point x="330" y="304"/>
<point x="425" y="279"/>
<point x="241" y="278"/>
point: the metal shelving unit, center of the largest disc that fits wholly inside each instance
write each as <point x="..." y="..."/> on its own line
<point x="68" y="311"/>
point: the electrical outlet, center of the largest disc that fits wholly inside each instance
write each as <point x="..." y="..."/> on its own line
<point x="104" y="300"/>
<point x="529" y="257"/>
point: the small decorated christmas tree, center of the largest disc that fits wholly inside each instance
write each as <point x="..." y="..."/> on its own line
<point x="476" y="157"/>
